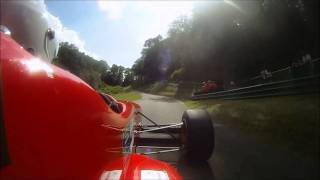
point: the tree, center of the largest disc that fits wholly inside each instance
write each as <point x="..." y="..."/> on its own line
<point x="115" y="75"/>
<point x="80" y="64"/>
<point x="232" y="41"/>
<point x="128" y="77"/>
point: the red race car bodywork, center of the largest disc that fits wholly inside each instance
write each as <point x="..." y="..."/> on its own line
<point x="209" y="87"/>
<point x="56" y="126"/>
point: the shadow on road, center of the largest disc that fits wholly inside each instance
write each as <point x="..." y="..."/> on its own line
<point x="195" y="170"/>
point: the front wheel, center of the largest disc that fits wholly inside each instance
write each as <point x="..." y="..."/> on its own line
<point x="197" y="135"/>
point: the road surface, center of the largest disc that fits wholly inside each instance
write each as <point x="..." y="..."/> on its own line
<point x="237" y="155"/>
<point x="164" y="110"/>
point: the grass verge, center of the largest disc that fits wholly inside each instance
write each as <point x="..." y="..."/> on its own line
<point x="128" y="96"/>
<point x="121" y="93"/>
<point x="289" y="121"/>
<point x="169" y="89"/>
<point x="160" y="88"/>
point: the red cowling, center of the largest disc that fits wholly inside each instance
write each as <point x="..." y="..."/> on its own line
<point x="138" y="167"/>
<point x="56" y="126"/>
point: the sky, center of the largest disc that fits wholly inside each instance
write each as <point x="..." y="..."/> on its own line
<point x="113" y="31"/>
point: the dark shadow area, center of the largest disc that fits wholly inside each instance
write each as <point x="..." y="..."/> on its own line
<point x="241" y="155"/>
<point x="195" y="170"/>
<point x="184" y="90"/>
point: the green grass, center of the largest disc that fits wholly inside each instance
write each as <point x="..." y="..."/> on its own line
<point x="129" y="96"/>
<point x="181" y="90"/>
<point x="121" y="93"/>
<point x="169" y="89"/>
<point x="112" y="89"/>
<point x="164" y="89"/>
<point x="292" y="121"/>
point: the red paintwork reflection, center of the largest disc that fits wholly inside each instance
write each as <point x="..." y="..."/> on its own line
<point x="135" y="164"/>
<point x="56" y="125"/>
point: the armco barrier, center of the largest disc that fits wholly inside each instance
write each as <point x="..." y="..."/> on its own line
<point x="293" y="86"/>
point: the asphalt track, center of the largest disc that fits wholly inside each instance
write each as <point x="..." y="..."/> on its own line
<point x="163" y="110"/>
<point x="237" y="155"/>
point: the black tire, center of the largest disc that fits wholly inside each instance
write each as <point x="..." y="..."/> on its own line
<point x="197" y="135"/>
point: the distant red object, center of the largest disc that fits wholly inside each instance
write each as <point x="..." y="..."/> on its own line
<point x="209" y="86"/>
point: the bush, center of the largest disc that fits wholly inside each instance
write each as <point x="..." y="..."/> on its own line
<point x="177" y="74"/>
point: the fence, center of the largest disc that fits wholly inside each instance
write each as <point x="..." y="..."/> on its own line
<point x="292" y="72"/>
<point x="296" y="79"/>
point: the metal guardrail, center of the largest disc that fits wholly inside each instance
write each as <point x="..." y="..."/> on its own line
<point x="295" y="79"/>
<point x="302" y="85"/>
<point x="307" y="69"/>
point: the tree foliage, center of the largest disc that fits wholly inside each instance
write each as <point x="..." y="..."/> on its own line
<point x="231" y="40"/>
<point x="115" y="75"/>
<point x="80" y="64"/>
<point x="94" y="72"/>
